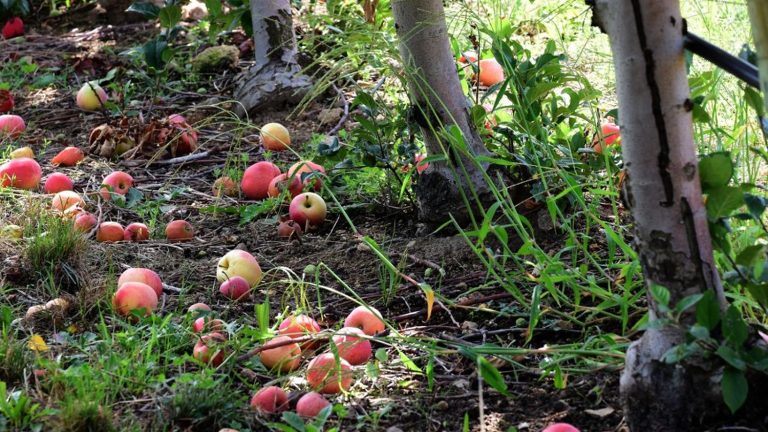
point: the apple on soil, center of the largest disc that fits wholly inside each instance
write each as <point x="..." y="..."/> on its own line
<point x="311" y="404"/>
<point x="23" y="152"/>
<point x="284" y="358"/>
<point x="143" y="275"/>
<point x="68" y="157"/>
<point x="256" y="179"/>
<point x="22" y="173"/>
<point x="11" y="232"/>
<point x="6" y="101"/>
<point x="12" y="28"/>
<point x="11" y="126"/>
<point x="352" y="345"/>
<point x="289" y="230"/>
<point x="91" y="97"/>
<point x="325" y="375"/>
<point x="110" y="232"/>
<point x="117" y="182"/>
<point x="57" y="182"/>
<point x="305" y="175"/>
<point x="179" y="230"/>
<point x="136" y="232"/>
<point x="239" y="263"/>
<point x="207" y="324"/>
<point x="366" y="318"/>
<point x="188" y="137"/>
<point x="198" y="307"/>
<point x="209" y="349"/>
<point x="84" y="222"/>
<point x="270" y="400"/>
<point x="225" y="186"/>
<point x="275" y="137"/>
<point x="235" y="288"/>
<point x="132" y="296"/>
<point x="308" y="209"/>
<point x="65" y="200"/>
<point x="560" y="427"/>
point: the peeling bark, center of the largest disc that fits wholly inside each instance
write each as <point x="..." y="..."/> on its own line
<point x="275" y="79"/>
<point x="438" y="102"/>
<point x="664" y="195"/>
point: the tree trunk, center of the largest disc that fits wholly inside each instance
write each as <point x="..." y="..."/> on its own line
<point x="439" y="102"/>
<point x="275" y="79"/>
<point x="758" y="15"/>
<point x="664" y="195"/>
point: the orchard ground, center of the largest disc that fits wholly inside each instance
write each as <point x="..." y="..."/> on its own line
<point x="97" y="371"/>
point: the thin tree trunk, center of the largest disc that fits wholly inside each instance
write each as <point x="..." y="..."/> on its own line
<point x="438" y="102"/>
<point x="664" y="195"/>
<point x="275" y="79"/>
<point x="758" y="15"/>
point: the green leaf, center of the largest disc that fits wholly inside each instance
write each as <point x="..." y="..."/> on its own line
<point x="660" y="294"/>
<point x="133" y="197"/>
<point x="749" y="255"/>
<point x="491" y="375"/>
<point x="409" y="364"/>
<point x="687" y="302"/>
<point x="149" y="10"/>
<point x="715" y="170"/>
<point x="734" y="328"/>
<point x="153" y="53"/>
<point x="735" y="388"/>
<point x="731" y="356"/>
<point x="722" y="201"/>
<point x="755" y="100"/>
<point x="756" y="205"/>
<point x="760" y="293"/>
<point x="708" y="311"/>
<point x="170" y="16"/>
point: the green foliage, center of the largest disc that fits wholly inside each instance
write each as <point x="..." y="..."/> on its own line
<point x="159" y="51"/>
<point x="13" y="8"/>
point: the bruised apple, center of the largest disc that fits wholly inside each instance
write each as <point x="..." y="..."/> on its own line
<point x="136" y="232"/>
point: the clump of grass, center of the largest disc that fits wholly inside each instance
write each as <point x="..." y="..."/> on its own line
<point x="78" y="414"/>
<point x="200" y="402"/>
<point x="14" y="358"/>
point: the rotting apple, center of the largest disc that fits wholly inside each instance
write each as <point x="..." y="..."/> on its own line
<point x="256" y="179"/>
<point x="275" y="137"/>
<point x="11" y="126"/>
<point x="91" y="97"/>
<point x="311" y="404"/>
<point x="289" y="230"/>
<point x="239" y="263"/>
<point x="136" y="232"/>
<point x="57" y="182"/>
<point x="308" y="209"/>
<point x="352" y="345"/>
<point x="209" y="349"/>
<point x="326" y="375"/>
<point x="22" y="173"/>
<point x="225" y="186"/>
<point x="117" y="182"/>
<point x="187" y="137"/>
<point x="143" y="275"/>
<point x="270" y="400"/>
<point x="366" y="318"/>
<point x="179" y="230"/>
<point x="133" y="296"/>
<point x="284" y="358"/>
<point x="68" y="157"/>
<point x="110" y="232"/>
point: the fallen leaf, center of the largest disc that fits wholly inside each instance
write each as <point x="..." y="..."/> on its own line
<point x="36" y="343"/>
<point x="602" y="412"/>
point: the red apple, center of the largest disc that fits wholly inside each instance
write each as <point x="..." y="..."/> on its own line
<point x="302" y="177"/>
<point x="110" y="232"/>
<point x="207" y="344"/>
<point x="57" y="182"/>
<point x="136" y="232"/>
<point x="275" y="137"/>
<point x="179" y="230"/>
<point x="325" y="375"/>
<point x="421" y="167"/>
<point x="352" y="345"/>
<point x="84" y="222"/>
<point x="284" y="358"/>
<point x="256" y="179"/>
<point x="22" y="173"/>
<point x="225" y="186"/>
<point x="142" y="275"/>
<point x="91" y="97"/>
<point x="298" y="326"/>
<point x="270" y="400"/>
<point x="117" y="182"/>
<point x="311" y="404"/>
<point x="235" y="288"/>
<point x="14" y="27"/>
<point x="560" y="427"/>
<point x="68" y="157"/>
<point x="204" y="324"/>
<point x="6" y="101"/>
<point x="277" y="185"/>
<point x="65" y="200"/>
<point x="308" y="210"/>
<point x="366" y="318"/>
<point x="610" y="134"/>
<point x="468" y="57"/>
<point x="288" y="229"/>
<point x="239" y="263"/>
<point x="187" y="137"/>
<point x="11" y="126"/>
<point x="197" y="307"/>
<point x="133" y="296"/>
<point x="491" y="72"/>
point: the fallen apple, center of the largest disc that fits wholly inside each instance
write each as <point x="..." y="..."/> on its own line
<point x="117" y="182"/>
<point x="352" y="345"/>
<point x="65" y="200"/>
<point x="311" y="404"/>
<point x="85" y="222"/>
<point x="110" y="232"/>
<point x="23" y="152"/>
<point x="14" y="27"/>
<point x="308" y="209"/>
<point x="198" y="307"/>
<point x="68" y="157"/>
<point x="136" y="232"/>
<point x="91" y="97"/>
<point x="289" y="230"/>
<point x="208" y="324"/>
<point x="256" y="179"/>
<point x="134" y="296"/>
<point x="560" y="427"/>
<point x="143" y="275"/>
<point x="11" y="126"/>
<point x="239" y="263"/>
<point x="179" y="230"/>
<point x="420" y="166"/>
<point x="275" y="137"/>
<point x="225" y="186"/>
<point x="13" y="232"/>
<point x="610" y="134"/>
<point x="326" y="375"/>
<point x="305" y="175"/>
<point x="285" y="358"/>
<point x="235" y="288"/>
<point x="366" y="318"/>
<point x="187" y="134"/>
<point x="57" y="182"/>
<point x="22" y="173"/>
<point x="491" y="72"/>
<point x="210" y="350"/>
<point x="6" y="101"/>
<point x="270" y="400"/>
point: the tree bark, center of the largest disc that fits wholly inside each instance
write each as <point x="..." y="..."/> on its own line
<point x="275" y="79"/>
<point x="438" y="102"/>
<point x="758" y="16"/>
<point x="664" y="195"/>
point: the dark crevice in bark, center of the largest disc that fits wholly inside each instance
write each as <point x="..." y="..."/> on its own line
<point x="658" y="114"/>
<point x="693" y="243"/>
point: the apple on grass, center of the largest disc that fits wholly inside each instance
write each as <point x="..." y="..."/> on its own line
<point x="366" y="318"/>
<point x="270" y="400"/>
<point x="299" y="326"/>
<point x="308" y="209"/>
<point x="239" y="263"/>
<point x="57" y="182"/>
<point x="275" y="137"/>
<point x="91" y="97"/>
<point x="209" y="349"/>
<point x="117" y="182"/>
<point x="11" y="126"/>
<point x="136" y="232"/>
<point x="352" y="345"/>
<point x="235" y="288"/>
<point x="143" y="275"/>
<point x="311" y="404"/>
<point x="256" y="179"/>
<point x="110" y="232"/>
<point x="179" y="230"/>
<point x="197" y="308"/>
<point x="23" y="152"/>
<point x="207" y="324"/>
<point x="285" y="357"/>
<point x="134" y="296"/>
<point x="491" y="72"/>
<point x="22" y="173"/>
<point x="65" y="200"/>
<point x="326" y="375"/>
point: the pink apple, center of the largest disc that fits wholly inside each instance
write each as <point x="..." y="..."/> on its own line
<point x="278" y="184"/>
<point x="11" y="126"/>
<point x="560" y="427"/>
<point x="256" y="179"/>
<point x="118" y="182"/>
<point x="136" y="232"/>
<point x="366" y="318"/>
<point x="311" y="404"/>
<point x="235" y="288"/>
<point x="239" y="263"/>
<point x="205" y="324"/>
<point x="68" y="157"/>
<point x="179" y="230"/>
<point x="65" y="200"/>
<point x="308" y="210"/>
<point x="325" y="375"/>
<point x="198" y="307"/>
<point x="298" y="326"/>
<point x="270" y="400"/>
<point x="57" y="182"/>
<point x="133" y="296"/>
<point x="284" y="358"/>
<point x="209" y="349"/>
<point x="143" y="275"/>
<point x="352" y="345"/>
<point x="421" y="167"/>
<point x="22" y="173"/>
<point x="301" y="178"/>
<point x="84" y="222"/>
<point x="91" y="97"/>
<point x="288" y="230"/>
<point x="275" y="137"/>
<point x="110" y="232"/>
